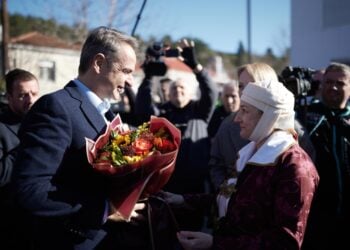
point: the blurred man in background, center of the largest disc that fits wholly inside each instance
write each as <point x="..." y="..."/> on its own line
<point x="229" y="103"/>
<point x="22" y="90"/>
<point x="191" y="117"/>
<point x="328" y="123"/>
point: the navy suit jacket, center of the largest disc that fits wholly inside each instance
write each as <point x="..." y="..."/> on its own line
<point x="64" y="198"/>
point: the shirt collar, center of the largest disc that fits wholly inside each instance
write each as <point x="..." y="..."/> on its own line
<point x="267" y="154"/>
<point x="101" y="105"/>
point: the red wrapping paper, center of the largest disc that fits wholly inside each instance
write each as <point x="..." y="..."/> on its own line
<point x="138" y="180"/>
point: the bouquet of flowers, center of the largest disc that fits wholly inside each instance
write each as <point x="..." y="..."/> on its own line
<point x="140" y="162"/>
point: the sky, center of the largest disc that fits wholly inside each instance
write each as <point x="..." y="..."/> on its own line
<point x="221" y="24"/>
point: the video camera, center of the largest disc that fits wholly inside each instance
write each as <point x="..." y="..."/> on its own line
<point x="298" y="80"/>
<point x="154" y="64"/>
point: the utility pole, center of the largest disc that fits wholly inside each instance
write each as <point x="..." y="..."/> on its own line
<point x="249" y="32"/>
<point x="5" y="38"/>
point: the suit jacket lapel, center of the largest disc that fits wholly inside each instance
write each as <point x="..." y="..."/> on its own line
<point x="13" y="128"/>
<point x="89" y="111"/>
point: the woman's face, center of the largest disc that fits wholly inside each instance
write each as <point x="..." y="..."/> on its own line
<point x="247" y="117"/>
<point x="243" y="79"/>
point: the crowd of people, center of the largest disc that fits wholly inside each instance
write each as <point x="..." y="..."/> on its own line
<point x="248" y="173"/>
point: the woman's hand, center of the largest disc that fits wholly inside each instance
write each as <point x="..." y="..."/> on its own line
<point x="195" y="240"/>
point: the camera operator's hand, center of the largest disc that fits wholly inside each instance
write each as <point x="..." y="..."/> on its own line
<point x="172" y="199"/>
<point x="147" y="68"/>
<point x="188" y="55"/>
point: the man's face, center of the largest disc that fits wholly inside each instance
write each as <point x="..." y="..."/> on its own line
<point x="336" y="89"/>
<point x="118" y="74"/>
<point x="164" y="87"/>
<point x="23" y="96"/>
<point x="179" y="94"/>
<point x="230" y="99"/>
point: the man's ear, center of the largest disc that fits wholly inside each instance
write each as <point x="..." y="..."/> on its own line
<point x="98" y="62"/>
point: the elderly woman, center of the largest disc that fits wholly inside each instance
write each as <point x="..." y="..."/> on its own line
<point x="269" y="206"/>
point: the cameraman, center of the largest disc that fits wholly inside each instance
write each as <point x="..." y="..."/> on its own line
<point x="328" y="123"/>
<point x="191" y="117"/>
<point x="316" y="92"/>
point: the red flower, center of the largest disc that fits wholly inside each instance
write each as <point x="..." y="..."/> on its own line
<point x="139" y="162"/>
<point x="163" y="144"/>
<point x="142" y="146"/>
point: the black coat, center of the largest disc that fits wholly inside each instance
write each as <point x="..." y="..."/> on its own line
<point x="10" y="232"/>
<point x="9" y="141"/>
<point x="192" y="161"/>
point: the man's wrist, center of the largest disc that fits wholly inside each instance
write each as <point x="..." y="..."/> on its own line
<point x="148" y="76"/>
<point x="198" y="68"/>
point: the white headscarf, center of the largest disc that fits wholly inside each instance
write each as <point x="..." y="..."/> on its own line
<point x="277" y="104"/>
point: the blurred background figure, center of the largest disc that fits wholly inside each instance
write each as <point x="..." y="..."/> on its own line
<point x="125" y="107"/>
<point x="316" y="85"/>
<point x="328" y="123"/>
<point x="22" y="90"/>
<point x="3" y="102"/>
<point x="304" y="83"/>
<point x="164" y="86"/>
<point x="189" y="115"/>
<point x="228" y="103"/>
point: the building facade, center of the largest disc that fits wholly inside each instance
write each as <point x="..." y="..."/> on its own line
<point x="53" y="61"/>
<point x="320" y="32"/>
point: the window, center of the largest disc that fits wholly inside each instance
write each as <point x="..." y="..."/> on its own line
<point x="47" y="71"/>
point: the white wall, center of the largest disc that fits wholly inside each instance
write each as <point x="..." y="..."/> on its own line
<point x="28" y="57"/>
<point x="320" y="32"/>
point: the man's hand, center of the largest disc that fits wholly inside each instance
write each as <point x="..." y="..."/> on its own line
<point x="135" y="215"/>
<point x="188" y="54"/>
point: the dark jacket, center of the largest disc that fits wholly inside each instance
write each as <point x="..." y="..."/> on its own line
<point x="216" y="119"/>
<point x="329" y="131"/>
<point x="9" y="141"/>
<point x="192" y="120"/>
<point x="11" y="234"/>
<point x="224" y="151"/>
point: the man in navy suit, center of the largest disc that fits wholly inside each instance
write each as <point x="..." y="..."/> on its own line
<point x="64" y="199"/>
<point x="22" y="90"/>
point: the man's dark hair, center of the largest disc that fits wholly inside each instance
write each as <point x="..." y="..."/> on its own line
<point x="103" y="40"/>
<point x="16" y="75"/>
